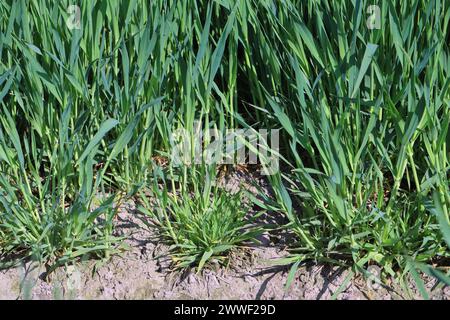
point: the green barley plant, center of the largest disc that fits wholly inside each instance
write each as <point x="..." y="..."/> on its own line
<point x="365" y="115"/>
<point x="44" y="219"/>
<point x="198" y="218"/>
<point x="443" y="277"/>
<point x="83" y="104"/>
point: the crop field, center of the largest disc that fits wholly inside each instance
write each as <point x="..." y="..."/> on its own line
<point x="224" y="130"/>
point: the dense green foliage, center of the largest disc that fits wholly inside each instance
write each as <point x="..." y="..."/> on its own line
<point x="364" y="115"/>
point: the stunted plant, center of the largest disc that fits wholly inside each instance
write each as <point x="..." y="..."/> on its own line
<point x="435" y="207"/>
<point x="198" y="218"/>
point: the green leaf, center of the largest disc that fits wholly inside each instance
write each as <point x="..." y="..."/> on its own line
<point x="367" y="59"/>
<point x="104" y="129"/>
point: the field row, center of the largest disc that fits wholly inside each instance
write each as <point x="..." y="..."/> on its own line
<point x="341" y="106"/>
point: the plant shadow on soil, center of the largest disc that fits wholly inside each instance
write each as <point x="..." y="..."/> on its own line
<point x="143" y="272"/>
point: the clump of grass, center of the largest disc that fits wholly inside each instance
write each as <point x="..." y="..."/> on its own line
<point x="51" y="218"/>
<point x="365" y="115"/>
<point x="442" y="276"/>
<point x="200" y="220"/>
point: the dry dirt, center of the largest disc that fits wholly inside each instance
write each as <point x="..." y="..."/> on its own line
<point x="142" y="272"/>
